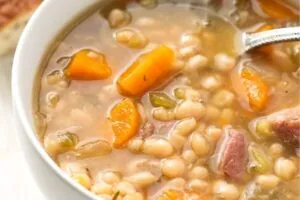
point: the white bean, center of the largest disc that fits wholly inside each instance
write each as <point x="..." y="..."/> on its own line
<point x="200" y="145"/>
<point x="52" y="98"/>
<point x="142" y="179"/>
<point x="102" y="188"/>
<point x="83" y="179"/>
<point x="185" y="127"/>
<point x="199" y="172"/>
<point x="135" y="145"/>
<point x="157" y="147"/>
<point x="124" y="35"/>
<point x="199" y="186"/>
<point x="189" y="156"/>
<point x="190" y="108"/>
<point x="58" y="78"/>
<point x="189" y="51"/>
<point x="177" y="141"/>
<point x="267" y="181"/>
<point x="211" y="82"/>
<point x="196" y="63"/>
<point x="163" y="114"/>
<point x="182" y="129"/>
<point x="111" y="178"/>
<point x="176" y="183"/>
<point x="131" y="38"/>
<point x="173" y="167"/>
<point x="60" y="142"/>
<point x="72" y="167"/>
<point x="223" y="98"/>
<point x="124" y="187"/>
<point x="276" y="150"/>
<point x="285" y="168"/>
<point x="213" y="133"/>
<point x="224" y="63"/>
<point x="118" y="18"/>
<point x="223" y="190"/>
<point x="191" y="94"/>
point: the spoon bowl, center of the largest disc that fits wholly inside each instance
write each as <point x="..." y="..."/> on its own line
<point x="246" y="41"/>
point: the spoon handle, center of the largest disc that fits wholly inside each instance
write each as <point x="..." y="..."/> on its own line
<point x="272" y="36"/>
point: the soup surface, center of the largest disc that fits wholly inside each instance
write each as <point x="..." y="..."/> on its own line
<point x="148" y="100"/>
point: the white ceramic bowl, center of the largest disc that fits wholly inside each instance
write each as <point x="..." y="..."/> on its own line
<point x="48" y="21"/>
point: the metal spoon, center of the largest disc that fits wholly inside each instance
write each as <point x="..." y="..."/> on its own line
<point x="248" y="41"/>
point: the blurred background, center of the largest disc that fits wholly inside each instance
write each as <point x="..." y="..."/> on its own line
<point x="15" y="181"/>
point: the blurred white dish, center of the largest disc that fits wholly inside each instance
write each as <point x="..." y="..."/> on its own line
<point x="16" y="182"/>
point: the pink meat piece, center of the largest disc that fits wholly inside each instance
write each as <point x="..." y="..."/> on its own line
<point x="288" y="130"/>
<point x="234" y="159"/>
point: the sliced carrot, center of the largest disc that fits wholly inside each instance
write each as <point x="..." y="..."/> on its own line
<point x="172" y="194"/>
<point x="146" y="72"/>
<point x="275" y="9"/>
<point x="256" y="88"/>
<point x="88" y="65"/>
<point x="125" y="122"/>
<point x="267" y="49"/>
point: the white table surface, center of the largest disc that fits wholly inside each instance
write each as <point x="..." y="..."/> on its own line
<point x="16" y="182"/>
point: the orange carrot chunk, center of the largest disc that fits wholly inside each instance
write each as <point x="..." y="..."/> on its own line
<point x="125" y="122"/>
<point x="256" y="88"/>
<point x="88" y="65"/>
<point x="146" y="72"/>
<point x="277" y="10"/>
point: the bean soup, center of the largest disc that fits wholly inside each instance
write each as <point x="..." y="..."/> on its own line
<point x="149" y="99"/>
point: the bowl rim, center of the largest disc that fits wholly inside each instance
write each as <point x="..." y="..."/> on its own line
<point x="19" y="110"/>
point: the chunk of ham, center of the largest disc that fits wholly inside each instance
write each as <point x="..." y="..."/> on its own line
<point x="288" y="130"/>
<point x="284" y="124"/>
<point x="230" y="158"/>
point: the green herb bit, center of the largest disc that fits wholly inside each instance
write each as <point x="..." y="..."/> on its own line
<point x="159" y="99"/>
